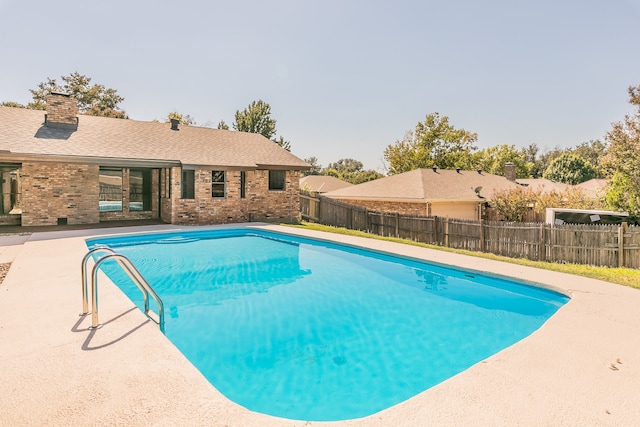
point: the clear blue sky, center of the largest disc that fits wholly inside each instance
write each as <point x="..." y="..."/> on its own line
<point x="344" y="78"/>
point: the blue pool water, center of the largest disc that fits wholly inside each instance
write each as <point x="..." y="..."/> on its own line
<point x="310" y="330"/>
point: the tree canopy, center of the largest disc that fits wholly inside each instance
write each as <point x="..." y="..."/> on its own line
<point x="256" y="118"/>
<point x="570" y="169"/>
<point x="316" y="168"/>
<point x="622" y="162"/>
<point x="434" y="142"/>
<point x="93" y="100"/>
<point x="494" y="159"/>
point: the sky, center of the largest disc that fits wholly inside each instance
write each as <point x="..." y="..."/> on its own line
<point x="347" y="78"/>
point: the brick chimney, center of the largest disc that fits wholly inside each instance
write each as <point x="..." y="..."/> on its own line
<point x="510" y="171"/>
<point x="62" y="111"/>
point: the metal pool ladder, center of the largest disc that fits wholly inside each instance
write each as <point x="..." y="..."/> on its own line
<point x="131" y="271"/>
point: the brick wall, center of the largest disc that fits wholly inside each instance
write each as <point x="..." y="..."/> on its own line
<point x="259" y="203"/>
<point x="404" y="208"/>
<point x="55" y="190"/>
<point x="62" y="109"/>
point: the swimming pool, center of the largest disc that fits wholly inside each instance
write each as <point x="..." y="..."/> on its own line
<point x="312" y="330"/>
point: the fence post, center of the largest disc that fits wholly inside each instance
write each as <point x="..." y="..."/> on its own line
<point x="446" y="232"/>
<point x="397" y="225"/>
<point x="621" y="231"/>
<point x="366" y="220"/>
<point x="482" y="245"/>
<point x="542" y="246"/>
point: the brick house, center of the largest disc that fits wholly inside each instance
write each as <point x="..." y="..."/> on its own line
<point x="461" y="194"/>
<point x="61" y="168"/>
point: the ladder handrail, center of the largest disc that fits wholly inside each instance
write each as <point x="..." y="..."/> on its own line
<point x="133" y="273"/>
<point x="83" y="272"/>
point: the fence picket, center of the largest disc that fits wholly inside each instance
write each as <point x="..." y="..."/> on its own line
<point x="601" y="245"/>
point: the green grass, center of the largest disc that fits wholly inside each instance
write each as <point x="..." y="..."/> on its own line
<point x="622" y="276"/>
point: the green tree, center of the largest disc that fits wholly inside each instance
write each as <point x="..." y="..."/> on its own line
<point x="594" y="152"/>
<point x="494" y="159"/>
<point x="434" y="142"/>
<point x="316" y="168"/>
<point x="12" y="104"/>
<point x="351" y="170"/>
<point x="622" y="162"/>
<point x="570" y="169"/>
<point x="256" y="118"/>
<point x="283" y="143"/>
<point x="514" y="204"/>
<point x="346" y="165"/>
<point x="95" y="100"/>
<point x="223" y="125"/>
<point x="186" y="119"/>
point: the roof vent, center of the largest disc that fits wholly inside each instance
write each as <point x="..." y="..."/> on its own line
<point x="435" y="168"/>
<point x="174" y="124"/>
<point x="480" y="171"/>
<point x="458" y="170"/>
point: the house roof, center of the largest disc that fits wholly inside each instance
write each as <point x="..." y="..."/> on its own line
<point x="543" y="185"/>
<point x="322" y="183"/>
<point x="428" y="185"/>
<point x="24" y="135"/>
<point x="594" y="187"/>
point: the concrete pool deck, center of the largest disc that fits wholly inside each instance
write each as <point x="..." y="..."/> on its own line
<point x="581" y="368"/>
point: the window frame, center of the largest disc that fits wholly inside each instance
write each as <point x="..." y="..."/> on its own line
<point x="219" y="182"/>
<point x="188" y="184"/>
<point x="273" y="179"/>
<point x="243" y="184"/>
<point x="104" y="205"/>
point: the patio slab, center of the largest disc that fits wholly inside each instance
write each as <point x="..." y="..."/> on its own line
<point x="582" y="367"/>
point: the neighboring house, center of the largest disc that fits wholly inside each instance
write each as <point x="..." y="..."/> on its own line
<point x="594" y="188"/>
<point x="58" y="168"/>
<point x="322" y="183"/>
<point x="543" y="185"/>
<point x="456" y="193"/>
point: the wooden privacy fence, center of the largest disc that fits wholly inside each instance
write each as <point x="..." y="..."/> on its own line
<point x="601" y="245"/>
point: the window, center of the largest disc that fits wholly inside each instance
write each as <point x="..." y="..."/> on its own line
<point x="243" y="184"/>
<point x="10" y="189"/>
<point x="188" y="184"/>
<point x="110" y="190"/>
<point x="217" y="184"/>
<point x="139" y="190"/>
<point x="276" y="180"/>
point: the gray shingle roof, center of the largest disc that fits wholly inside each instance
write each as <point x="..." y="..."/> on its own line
<point x="427" y="185"/>
<point x="322" y="183"/>
<point x="22" y="132"/>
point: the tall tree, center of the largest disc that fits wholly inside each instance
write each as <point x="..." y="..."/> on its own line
<point x="622" y="162"/>
<point x="283" y="143"/>
<point x="494" y="159"/>
<point x="94" y="100"/>
<point x="434" y="142"/>
<point x="346" y="165"/>
<point x="592" y="151"/>
<point x="316" y="168"/>
<point x="570" y="169"/>
<point x="256" y="118"/>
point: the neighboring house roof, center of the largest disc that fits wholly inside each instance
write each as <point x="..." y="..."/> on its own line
<point x="428" y="185"/>
<point x="594" y="187"/>
<point x="322" y="183"/>
<point x="543" y="185"/>
<point x="24" y="135"/>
